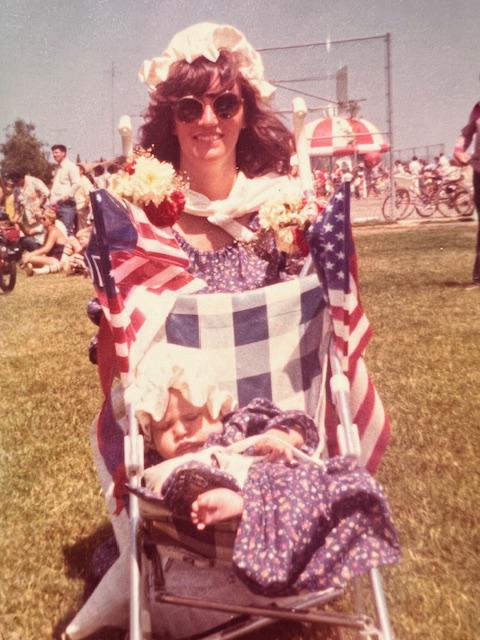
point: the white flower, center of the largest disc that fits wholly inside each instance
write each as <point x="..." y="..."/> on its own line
<point x="270" y="215"/>
<point x="152" y="180"/>
<point x="286" y="240"/>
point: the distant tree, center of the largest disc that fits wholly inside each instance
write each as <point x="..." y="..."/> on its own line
<point x="23" y="151"/>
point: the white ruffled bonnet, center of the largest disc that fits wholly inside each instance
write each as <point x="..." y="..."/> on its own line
<point x="167" y="366"/>
<point x="208" y="39"/>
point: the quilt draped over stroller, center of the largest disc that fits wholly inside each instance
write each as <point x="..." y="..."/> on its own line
<point x="298" y="343"/>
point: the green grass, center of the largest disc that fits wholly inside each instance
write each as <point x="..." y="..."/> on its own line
<point x="424" y="360"/>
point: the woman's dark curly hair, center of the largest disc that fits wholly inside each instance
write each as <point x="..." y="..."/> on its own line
<point x="265" y="144"/>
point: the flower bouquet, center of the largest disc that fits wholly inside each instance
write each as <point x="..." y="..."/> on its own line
<point x="288" y="219"/>
<point x="152" y="185"/>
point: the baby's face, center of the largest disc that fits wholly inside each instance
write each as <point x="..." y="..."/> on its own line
<point x="184" y="428"/>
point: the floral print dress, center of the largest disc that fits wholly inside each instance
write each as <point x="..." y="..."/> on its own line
<point x="240" y="266"/>
<point x="303" y="526"/>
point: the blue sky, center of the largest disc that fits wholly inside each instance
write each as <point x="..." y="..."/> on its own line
<point x="56" y="60"/>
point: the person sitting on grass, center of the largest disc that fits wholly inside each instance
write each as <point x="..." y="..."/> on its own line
<point x="304" y="523"/>
<point x="47" y="258"/>
<point x="73" y="259"/>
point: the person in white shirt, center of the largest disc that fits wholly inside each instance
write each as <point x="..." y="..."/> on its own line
<point x="66" y="181"/>
<point x="32" y="193"/>
<point x="414" y="166"/>
<point x="82" y="198"/>
<point x="99" y="177"/>
<point x="443" y="166"/>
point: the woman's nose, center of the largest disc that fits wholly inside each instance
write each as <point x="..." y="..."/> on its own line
<point x="209" y="117"/>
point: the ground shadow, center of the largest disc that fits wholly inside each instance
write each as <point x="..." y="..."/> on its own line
<point x="453" y="284"/>
<point x="88" y="560"/>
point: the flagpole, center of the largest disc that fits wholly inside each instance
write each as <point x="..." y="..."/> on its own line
<point x="133" y="441"/>
<point x="300" y="111"/>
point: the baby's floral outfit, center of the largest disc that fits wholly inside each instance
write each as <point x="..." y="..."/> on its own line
<point x="303" y="526"/>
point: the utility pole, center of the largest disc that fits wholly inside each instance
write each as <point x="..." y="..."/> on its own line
<point x="113" y="109"/>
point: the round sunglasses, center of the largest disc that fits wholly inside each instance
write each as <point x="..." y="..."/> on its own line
<point x="189" y="108"/>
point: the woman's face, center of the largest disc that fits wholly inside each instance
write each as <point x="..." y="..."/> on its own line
<point x="46" y="222"/>
<point x="210" y="138"/>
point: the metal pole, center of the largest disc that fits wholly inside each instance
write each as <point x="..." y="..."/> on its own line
<point x="113" y="109"/>
<point x="134" y="464"/>
<point x="389" y="104"/>
<point x="381" y="605"/>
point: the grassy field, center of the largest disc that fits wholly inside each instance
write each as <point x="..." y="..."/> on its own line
<point x="424" y="359"/>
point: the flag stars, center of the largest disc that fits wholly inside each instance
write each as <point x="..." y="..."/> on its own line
<point x="340" y="217"/>
<point x="340" y="255"/>
<point x="329" y="246"/>
<point x="340" y="235"/>
<point x="340" y="275"/>
<point x="329" y="265"/>
<point x="328" y="227"/>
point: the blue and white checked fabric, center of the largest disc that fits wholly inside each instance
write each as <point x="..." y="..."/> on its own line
<point x="270" y="343"/>
<point x="261" y="343"/>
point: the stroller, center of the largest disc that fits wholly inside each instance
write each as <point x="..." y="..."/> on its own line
<point x="297" y="343"/>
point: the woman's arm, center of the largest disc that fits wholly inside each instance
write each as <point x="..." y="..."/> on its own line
<point x="466" y="137"/>
<point x="277" y="444"/>
<point x="292" y="427"/>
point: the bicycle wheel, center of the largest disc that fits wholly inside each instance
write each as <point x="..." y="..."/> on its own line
<point x="464" y="203"/>
<point x="424" y="206"/>
<point x="8" y="275"/>
<point x="402" y="205"/>
<point x="446" y="203"/>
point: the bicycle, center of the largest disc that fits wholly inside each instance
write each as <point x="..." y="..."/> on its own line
<point x="402" y="205"/>
<point x="9" y="254"/>
<point x="450" y="198"/>
<point x="409" y="198"/>
<point x="454" y="200"/>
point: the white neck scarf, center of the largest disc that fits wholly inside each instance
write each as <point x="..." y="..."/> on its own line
<point x="247" y="195"/>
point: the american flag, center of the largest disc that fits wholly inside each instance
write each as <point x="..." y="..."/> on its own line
<point x="333" y="252"/>
<point x="137" y="270"/>
<point x="334" y="256"/>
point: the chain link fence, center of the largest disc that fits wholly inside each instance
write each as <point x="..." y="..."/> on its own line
<point x="347" y="79"/>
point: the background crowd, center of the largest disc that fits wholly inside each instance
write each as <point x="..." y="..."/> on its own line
<point x="371" y="179"/>
<point x="54" y="220"/>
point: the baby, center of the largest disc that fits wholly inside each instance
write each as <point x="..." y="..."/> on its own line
<point x="302" y="526"/>
<point x="181" y="412"/>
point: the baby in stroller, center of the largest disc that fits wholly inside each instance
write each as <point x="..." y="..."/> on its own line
<point x="303" y="523"/>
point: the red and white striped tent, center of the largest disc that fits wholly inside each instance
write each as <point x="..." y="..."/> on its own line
<point x="339" y="136"/>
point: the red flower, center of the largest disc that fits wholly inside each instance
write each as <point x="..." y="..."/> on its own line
<point x="167" y="212"/>
<point x="129" y="167"/>
<point x="301" y="241"/>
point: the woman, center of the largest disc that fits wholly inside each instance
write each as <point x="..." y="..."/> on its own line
<point x="46" y="259"/>
<point x="209" y="116"/>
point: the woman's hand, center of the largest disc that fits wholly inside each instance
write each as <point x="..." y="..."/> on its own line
<point x="275" y="445"/>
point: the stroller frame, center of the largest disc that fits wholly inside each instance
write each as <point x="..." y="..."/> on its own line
<point x="146" y="573"/>
<point x="147" y="582"/>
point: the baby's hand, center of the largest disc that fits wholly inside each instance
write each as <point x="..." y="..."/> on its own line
<point x="275" y="445"/>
